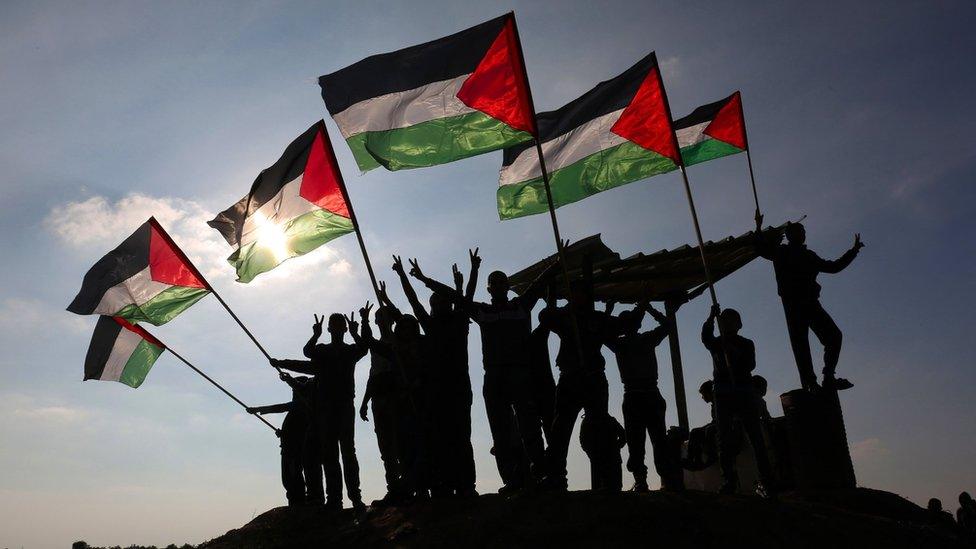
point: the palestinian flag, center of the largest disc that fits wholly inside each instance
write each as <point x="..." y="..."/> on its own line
<point x="146" y="279"/>
<point x="121" y="351"/>
<point x="616" y="133"/>
<point x="434" y="103"/>
<point x="712" y="131"/>
<point x="295" y="206"/>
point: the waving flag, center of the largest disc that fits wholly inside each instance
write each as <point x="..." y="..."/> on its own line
<point x="612" y="135"/>
<point x="146" y="279"/>
<point x="434" y="103"/>
<point x="294" y="206"/>
<point x="712" y="131"/>
<point x="121" y="351"/>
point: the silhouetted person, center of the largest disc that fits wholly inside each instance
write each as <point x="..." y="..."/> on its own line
<point x="543" y="383"/>
<point x="384" y="391"/>
<point x="735" y="397"/>
<point x="506" y="328"/>
<point x="966" y="514"/>
<point x="762" y="387"/>
<point x="447" y="391"/>
<point x="702" y="448"/>
<point x="602" y="437"/>
<point x="409" y="351"/>
<point x="796" y="269"/>
<point x="334" y="364"/>
<point x="301" y="464"/>
<point x="581" y="387"/>
<point x="643" y="405"/>
<point x="937" y="514"/>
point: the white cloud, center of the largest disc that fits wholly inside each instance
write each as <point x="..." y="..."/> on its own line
<point x="97" y="225"/>
<point x="868" y="449"/>
<point x="30" y="316"/>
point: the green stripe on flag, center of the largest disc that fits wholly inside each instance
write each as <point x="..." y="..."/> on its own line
<point x="708" y="149"/>
<point x="164" y="306"/>
<point x="609" y="168"/>
<point x="302" y="235"/>
<point x="137" y="367"/>
<point x="433" y="142"/>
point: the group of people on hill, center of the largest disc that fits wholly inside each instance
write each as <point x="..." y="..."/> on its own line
<point x="419" y="388"/>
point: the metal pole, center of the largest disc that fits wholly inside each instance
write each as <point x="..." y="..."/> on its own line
<point x="219" y="386"/>
<point x="681" y="400"/>
<point x="552" y="209"/>
<point x="694" y="212"/>
<point x="752" y="176"/>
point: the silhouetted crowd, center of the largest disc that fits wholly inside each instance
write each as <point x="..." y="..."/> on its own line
<point x="420" y="394"/>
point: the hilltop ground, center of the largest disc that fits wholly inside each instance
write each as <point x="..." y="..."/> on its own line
<point x="857" y="518"/>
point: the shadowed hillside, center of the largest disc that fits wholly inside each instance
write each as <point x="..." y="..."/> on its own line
<point x="858" y="518"/>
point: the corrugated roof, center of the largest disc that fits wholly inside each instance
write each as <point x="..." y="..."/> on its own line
<point x="657" y="276"/>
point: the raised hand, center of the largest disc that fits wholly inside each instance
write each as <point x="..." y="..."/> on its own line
<point x="857" y="241"/>
<point x="415" y="269"/>
<point x="714" y="312"/>
<point x="362" y="412"/>
<point x="384" y="297"/>
<point x="364" y="311"/>
<point x="351" y="322"/>
<point x="317" y="327"/>
<point x="251" y="410"/>
<point x="397" y="265"/>
<point x="285" y="376"/>
<point x="458" y="278"/>
<point x="474" y="257"/>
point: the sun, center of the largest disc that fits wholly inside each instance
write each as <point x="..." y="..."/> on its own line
<point x="271" y="237"/>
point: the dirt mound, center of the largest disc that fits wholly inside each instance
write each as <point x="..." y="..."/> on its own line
<point x="855" y="518"/>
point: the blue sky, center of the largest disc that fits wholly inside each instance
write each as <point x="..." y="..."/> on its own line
<point x="859" y="116"/>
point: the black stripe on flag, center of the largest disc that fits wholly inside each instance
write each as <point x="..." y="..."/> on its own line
<point x="605" y="98"/>
<point x="125" y="261"/>
<point x="269" y="182"/>
<point x="102" y="342"/>
<point x="701" y="114"/>
<point x="409" y="68"/>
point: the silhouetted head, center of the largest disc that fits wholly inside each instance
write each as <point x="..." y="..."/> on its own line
<point x="965" y="498"/>
<point x="731" y="321"/>
<point x="439" y="305"/>
<point x="935" y="504"/>
<point x="761" y="385"/>
<point x="796" y="234"/>
<point x="498" y="285"/>
<point x="407" y="328"/>
<point x="630" y="321"/>
<point x="337" y="325"/>
<point x="706" y="390"/>
<point x="384" y="319"/>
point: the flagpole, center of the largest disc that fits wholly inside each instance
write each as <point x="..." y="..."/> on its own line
<point x="352" y="213"/>
<point x="560" y="249"/>
<point x="203" y="279"/>
<point x="694" y="212"/>
<point x="219" y="386"/>
<point x="752" y="176"/>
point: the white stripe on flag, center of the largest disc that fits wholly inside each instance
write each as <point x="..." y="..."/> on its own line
<point x="137" y="289"/>
<point x="282" y="208"/>
<point x="403" y="109"/>
<point x="125" y="344"/>
<point x="584" y="140"/>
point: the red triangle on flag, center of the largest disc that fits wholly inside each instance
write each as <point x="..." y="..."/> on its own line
<point x="645" y="120"/>
<point x="498" y="86"/>
<point x="321" y="180"/>
<point x="729" y="125"/>
<point x="167" y="264"/>
<point x="135" y="328"/>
